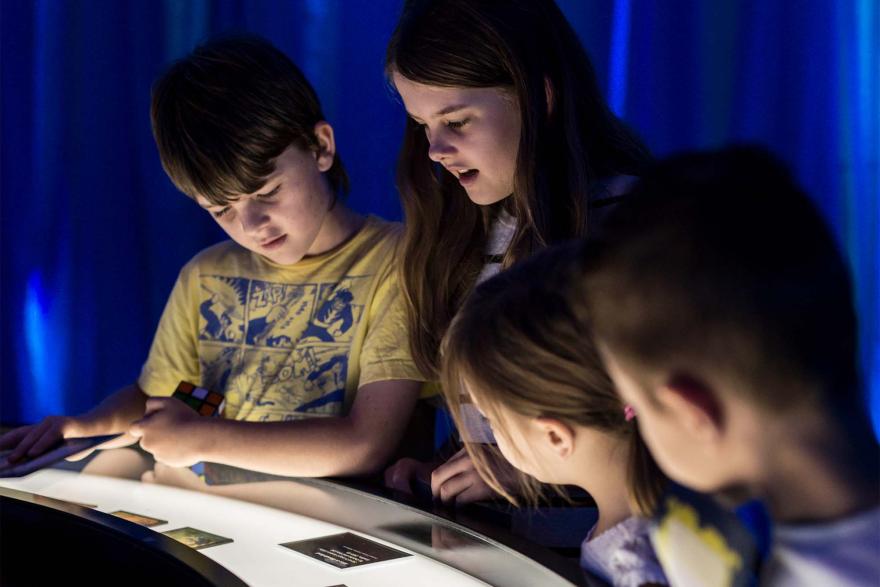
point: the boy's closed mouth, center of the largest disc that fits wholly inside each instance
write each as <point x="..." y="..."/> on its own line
<point x="273" y="243"/>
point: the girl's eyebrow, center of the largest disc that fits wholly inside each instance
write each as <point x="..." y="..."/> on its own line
<point x="442" y="112"/>
<point x="450" y="109"/>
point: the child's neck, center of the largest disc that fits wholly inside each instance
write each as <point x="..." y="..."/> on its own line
<point x="816" y="470"/>
<point x="340" y="224"/>
<point x="603" y="474"/>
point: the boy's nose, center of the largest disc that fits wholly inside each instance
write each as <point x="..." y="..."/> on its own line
<point x="252" y="217"/>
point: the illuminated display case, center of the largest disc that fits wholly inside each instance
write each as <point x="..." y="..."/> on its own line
<point x="67" y="512"/>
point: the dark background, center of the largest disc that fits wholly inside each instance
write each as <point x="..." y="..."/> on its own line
<point x="92" y="234"/>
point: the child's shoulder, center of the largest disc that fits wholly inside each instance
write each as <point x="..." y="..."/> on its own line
<point x="376" y="241"/>
<point x="219" y="254"/>
<point x="381" y="231"/>
<point x="623" y="554"/>
<point x="841" y="552"/>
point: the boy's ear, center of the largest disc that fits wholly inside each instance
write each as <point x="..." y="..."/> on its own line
<point x="556" y="435"/>
<point x="326" y="146"/>
<point x="695" y="405"/>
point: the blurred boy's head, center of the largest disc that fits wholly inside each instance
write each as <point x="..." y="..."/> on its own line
<point x="721" y="305"/>
<point x="240" y="130"/>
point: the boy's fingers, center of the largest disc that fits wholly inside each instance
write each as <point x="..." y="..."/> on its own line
<point x="28" y="441"/>
<point x="154" y="404"/>
<point x="397" y="476"/>
<point x="49" y="438"/>
<point x="80" y="455"/>
<point x="54" y="431"/>
<point x="13" y="437"/>
<point x="136" y="429"/>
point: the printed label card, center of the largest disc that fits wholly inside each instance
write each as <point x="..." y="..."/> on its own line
<point x="346" y="550"/>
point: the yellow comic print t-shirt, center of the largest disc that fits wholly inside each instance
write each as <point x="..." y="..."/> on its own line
<point x="285" y="342"/>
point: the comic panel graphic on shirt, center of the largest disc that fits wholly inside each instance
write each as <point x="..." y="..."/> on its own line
<point x="279" y="351"/>
<point x="337" y="312"/>
<point x="276" y="385"/>
<point x="218" y="363"/>
<point x="278" y="313"/>
<point x="221" y="308"/>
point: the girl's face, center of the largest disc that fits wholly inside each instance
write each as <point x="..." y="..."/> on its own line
<point x="519" y="441"/>
<point x="550" y="450"/>
<point x="511" y="436"/>
<point x="472" y="132"/>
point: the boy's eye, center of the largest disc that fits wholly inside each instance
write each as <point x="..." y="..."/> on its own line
<point x="269" y="195"/>
<point x="220" y="213"/>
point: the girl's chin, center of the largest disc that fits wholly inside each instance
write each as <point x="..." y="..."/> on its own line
<point x="485" y="198"/>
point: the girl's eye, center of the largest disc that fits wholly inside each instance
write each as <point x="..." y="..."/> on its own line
<point x="220" y="213"/>
<point x="456" y="124"/>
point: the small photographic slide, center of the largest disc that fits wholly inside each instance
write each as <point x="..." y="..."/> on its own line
<point x="147" y="521"/>
<point x="197" y="539"/>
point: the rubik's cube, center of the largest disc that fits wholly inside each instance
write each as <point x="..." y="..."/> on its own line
<point x="205" y="402"/>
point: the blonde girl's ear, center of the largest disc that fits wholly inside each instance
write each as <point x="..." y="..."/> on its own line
<point x="555" y="436"/>
<point x="326" y="151"/>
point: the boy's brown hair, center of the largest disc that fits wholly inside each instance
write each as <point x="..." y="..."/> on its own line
<point x="720" y="266"/>
<point x="224" y="113"/>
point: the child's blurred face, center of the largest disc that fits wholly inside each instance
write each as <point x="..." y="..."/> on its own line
<point x="679" y="444"/>
<point x="282" y="220"/>
<point x="472" y="132"/>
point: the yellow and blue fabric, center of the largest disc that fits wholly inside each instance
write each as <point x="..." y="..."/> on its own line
<point x="699" y="542"/>
<point x="285" y="342"/>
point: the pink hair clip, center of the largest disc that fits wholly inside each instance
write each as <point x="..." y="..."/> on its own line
<point x="628" y="412"/>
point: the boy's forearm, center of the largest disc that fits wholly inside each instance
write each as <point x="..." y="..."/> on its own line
<point x="317" y="447"/>
<point x="115" y="413"/>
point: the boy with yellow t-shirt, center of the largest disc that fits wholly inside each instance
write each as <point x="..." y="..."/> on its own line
<point x="297" y="321"/>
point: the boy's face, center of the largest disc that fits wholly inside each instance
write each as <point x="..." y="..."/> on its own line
<point x="687" y="442"/>
<point x="283" y="219"/>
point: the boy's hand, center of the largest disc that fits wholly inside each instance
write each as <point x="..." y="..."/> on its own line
<point x="168" y="430"/>
<point x="407" y="471"/>
<point x="34" y="440"/>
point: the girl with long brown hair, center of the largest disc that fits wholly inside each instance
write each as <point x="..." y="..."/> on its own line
<point x="509" y="147"/>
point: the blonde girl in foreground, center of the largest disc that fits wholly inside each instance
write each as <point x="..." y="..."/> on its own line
<point x="520" y="349"/>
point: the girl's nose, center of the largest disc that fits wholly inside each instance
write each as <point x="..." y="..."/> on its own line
<point x="439" y="146"/>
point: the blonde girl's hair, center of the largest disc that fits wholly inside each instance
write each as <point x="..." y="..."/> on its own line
<point x="522" y="340"/>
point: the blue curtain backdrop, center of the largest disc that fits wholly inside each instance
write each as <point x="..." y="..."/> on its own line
<point x="93" y="234"/>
